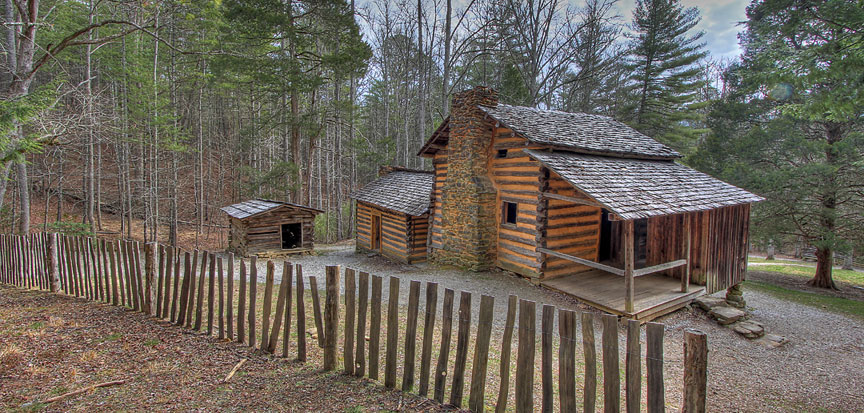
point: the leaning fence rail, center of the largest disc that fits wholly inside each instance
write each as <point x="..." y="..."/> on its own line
<point x="172" y="284"/>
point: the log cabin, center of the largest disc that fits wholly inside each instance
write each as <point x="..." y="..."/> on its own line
<point x="393" y="214"/>
<point x="268" y="228"/>
<point x="582" y="204"/>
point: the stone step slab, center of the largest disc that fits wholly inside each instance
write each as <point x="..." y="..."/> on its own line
<point x="748" y="328"/>
<point x="726" y="315"/>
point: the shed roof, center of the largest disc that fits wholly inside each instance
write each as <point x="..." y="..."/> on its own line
<point x="252" y="207"/>
<point x="406" y="191"/>
<point x="637" y="188"/>
<point x="580" y="132"/>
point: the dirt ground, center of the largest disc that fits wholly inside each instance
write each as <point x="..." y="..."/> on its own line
<point x="52" y="344"/>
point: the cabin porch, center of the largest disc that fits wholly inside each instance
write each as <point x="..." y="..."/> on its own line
<point x="655" y="294"/>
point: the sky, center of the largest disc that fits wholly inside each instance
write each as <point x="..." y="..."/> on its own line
<point x="720" y="20"/>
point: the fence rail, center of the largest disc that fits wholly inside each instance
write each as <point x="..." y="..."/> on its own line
<point x="172" y="284"/>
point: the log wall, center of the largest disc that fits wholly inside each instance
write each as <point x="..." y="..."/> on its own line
<point x="517" y="178"/>
<point x="571" y="229"/>
<point x="403" y="237"/>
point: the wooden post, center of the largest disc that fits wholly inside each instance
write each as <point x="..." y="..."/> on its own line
<point x="160" y="282"/>
<point x="411" y="337"/>
<point x="287" y="274"/>
<point x="184" y="292"/>
<point x="268" y="299"/>
<point x="463" y="335"/>
<point x="284" y="292"/>
<point x="316" y="310"/>
<point x="229" y="308"/>
<point x="211" y="294"/>
<point x="53" y="273"/>
<point x="695" y="371"/>
<point x="143" y="291"/>
<point x="481" y="354"/>
<point x="589" y="349"/>
<point x="190" y="306"/>
<point x="362" y="306"/>
<point x="175" y="296"/>
<point x="115" y="293"/>
<point x="253" y="289"/>
<point x="525" y="357"/>
<point x="241" y="304"/>
<point x="444" y="353"/>
<point x="199" y="304"/>
<point x="392" y="334"/>
<point x="331" y="317"/>
<point x="428" y="337"/>
<point x="629" y="284"/>
<point x="350" y="311"/>
<point x="301" y="317"/>
<point x="654" y="365"/>
<point x="375" y="327"/>
<point x="168" y="254"/>
<point x="611" y="375"/>
<point x="547" y="322"/>
<point x="633" y="362"/>
<point x="149" y="278"/>
<point x="506" y="345"/>
<point x="220" y="276"/>
<point x="685" y="274"/>
<point x="567" y="360"/>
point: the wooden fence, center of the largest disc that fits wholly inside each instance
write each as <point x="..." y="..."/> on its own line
<point x="171" y="284"/>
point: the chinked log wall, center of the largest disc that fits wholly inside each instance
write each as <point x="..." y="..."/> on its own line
<point x="403" y="237"/>
<point x="554" y="224"/>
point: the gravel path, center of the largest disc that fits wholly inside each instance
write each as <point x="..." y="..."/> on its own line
<point x="822" y="368"/>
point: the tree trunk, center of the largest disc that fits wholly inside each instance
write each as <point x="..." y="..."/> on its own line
<point x="24" y="191"/>
<point x="824" y="265"/>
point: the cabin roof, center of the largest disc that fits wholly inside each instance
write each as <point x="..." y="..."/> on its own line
<point x="580" y="132"/>
<point x="408" y="192"/>
<point x="577" y="132"/>
<point x="638" y="188"/>
<point x="252" y="207"/>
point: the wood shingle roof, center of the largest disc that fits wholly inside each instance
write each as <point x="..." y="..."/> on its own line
<point x="638" y="188"/>
<point x="252" y="207"/>
<point x="579" y="132"/>
<point x="403" y="191"/>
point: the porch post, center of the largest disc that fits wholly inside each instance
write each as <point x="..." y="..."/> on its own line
<point x="685" y="276"/>
<point x="629" y="285"/>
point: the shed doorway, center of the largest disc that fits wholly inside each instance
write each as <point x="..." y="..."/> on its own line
<point x="292" y="236"/>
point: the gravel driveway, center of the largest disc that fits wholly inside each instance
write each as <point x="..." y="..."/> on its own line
<point x="822" y="368"/>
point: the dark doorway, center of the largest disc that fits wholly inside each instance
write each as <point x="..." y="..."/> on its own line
<point x="292" y="236"/>
<point x="606" y="251"/>
<point x="376" y="232"/>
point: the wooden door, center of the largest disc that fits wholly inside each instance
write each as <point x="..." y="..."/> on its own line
<point x="376" y="232"/>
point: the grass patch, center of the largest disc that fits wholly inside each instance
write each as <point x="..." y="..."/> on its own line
<point x="111" y="337"/>
<point x="37" y="325"/>
<point x="834" y="304"/>
<point x="152" y="342"/>
<point x="849" y="276"/>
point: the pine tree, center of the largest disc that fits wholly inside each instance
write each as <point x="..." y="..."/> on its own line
<point x="666" y="79"/>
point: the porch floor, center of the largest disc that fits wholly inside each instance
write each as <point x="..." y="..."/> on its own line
<point x="656" y="294"/>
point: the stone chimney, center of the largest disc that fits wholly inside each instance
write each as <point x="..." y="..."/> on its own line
<point x="469" y="205"/>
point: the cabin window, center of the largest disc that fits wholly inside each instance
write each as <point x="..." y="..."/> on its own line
<point x="502" y="153"/>
<point x="508" y="215"/>
<point x="292" y="236"/>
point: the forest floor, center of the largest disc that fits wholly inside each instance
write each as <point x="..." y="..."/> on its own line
<point x="52" y="344"/>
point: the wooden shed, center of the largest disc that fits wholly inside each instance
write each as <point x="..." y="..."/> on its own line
<point x="393" y="214"/>
<point x="582" y="204"/>
<point x="270" y="228"/>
